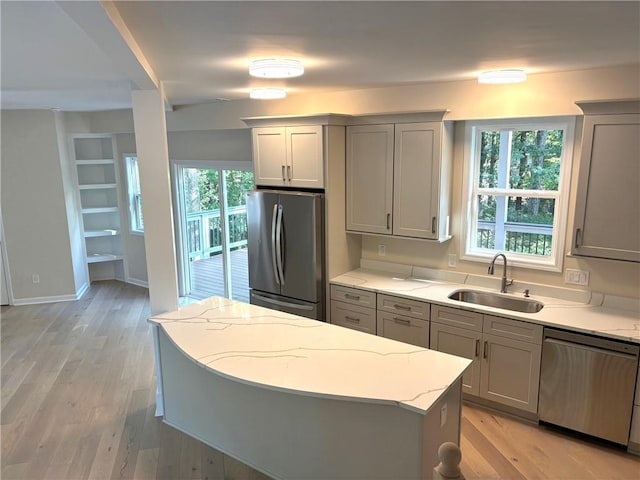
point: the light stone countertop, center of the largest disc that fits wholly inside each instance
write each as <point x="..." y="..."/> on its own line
<point x="279" y="351"/>
<point x="612" y="317"/>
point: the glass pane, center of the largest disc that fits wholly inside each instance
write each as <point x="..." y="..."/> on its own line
<point x="535" y="159"/>
<point x="238" y="183"/>
<point x="489" y="159"/>
<point x="204" y="232"/>
<point x="515" y="224"/>
<point x="486" y="225"/>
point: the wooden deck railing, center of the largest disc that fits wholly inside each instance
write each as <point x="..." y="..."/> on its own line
<point x="204" y="231"/>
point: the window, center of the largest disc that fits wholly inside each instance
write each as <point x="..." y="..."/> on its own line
<point x="517" y="184"/>
<point x="135" y="198"/>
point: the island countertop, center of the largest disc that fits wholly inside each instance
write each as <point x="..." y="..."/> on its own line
<point x="279" y="351"/>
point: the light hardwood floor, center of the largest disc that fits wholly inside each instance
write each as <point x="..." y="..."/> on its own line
<point x="78" y="392"/>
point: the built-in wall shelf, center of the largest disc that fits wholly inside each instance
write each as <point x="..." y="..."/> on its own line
<point x="100" y="233"/>
<point x="98" y="193"/>
<point x="103" y="257"/>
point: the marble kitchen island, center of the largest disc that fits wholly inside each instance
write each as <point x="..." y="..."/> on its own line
<point x="301" y="399"/>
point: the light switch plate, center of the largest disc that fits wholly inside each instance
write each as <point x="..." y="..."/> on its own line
<point x="382" y="250"/>
<point x="576" y="277"/>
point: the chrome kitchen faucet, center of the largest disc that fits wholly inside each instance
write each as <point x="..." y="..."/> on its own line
<point x="505" y="282"/>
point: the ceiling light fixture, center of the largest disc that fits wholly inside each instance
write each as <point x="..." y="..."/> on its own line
<point x="502" y="76"/>
<point x="276" y="68"/>
<point x="268" y="93"/>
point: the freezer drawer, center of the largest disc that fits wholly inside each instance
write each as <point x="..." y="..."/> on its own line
<point x="288" y="305"/>
<point x="587" y="384"/>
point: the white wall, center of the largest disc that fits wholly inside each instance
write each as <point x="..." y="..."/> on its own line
<point x="33" y="208"/>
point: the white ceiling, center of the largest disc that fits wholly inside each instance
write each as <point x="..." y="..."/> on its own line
<point x="88" y="56"/>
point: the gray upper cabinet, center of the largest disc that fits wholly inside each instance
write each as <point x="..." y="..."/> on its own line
<point x="606" y="222"/>
<point x="399" y="175"/>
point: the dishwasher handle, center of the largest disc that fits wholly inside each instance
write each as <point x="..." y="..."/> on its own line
<point x="590" y="348"/>
<point x="586" y="340"/>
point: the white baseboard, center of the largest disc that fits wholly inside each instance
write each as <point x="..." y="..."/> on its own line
<point x="52" y="299"/>
<point x="139" y="283"/>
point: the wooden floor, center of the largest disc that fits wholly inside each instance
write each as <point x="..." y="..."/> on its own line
<point x="207" y="276"/>
<point x="78" y="402"/>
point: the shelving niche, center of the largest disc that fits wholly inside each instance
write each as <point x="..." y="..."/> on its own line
<point x="99" y="204"/>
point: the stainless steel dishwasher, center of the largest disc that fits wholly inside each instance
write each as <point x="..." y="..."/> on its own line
<point x="587" y="384"/>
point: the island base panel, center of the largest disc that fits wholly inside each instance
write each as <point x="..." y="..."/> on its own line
<point x="289" y="435"/>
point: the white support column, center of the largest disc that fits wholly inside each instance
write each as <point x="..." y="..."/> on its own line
<point x="155" y="185"/>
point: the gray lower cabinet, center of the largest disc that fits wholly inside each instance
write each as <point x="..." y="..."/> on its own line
<point x="353" y="308"/>
<point x="505" y="354"/>
<point x="403" y="320"/>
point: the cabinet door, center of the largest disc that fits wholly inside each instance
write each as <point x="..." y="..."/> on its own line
<point x="463" y="343"/>
<point x="607" y="224"/>
<point x="510" y="372"/>
<point x="416" y="179"/>
<point x="369" y="178"/>
<point x="269" y="156"/>
<point x="304" y="157"/>
<point x="402" y="328"/>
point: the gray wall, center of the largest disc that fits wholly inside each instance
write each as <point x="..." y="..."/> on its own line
<point x="33" y="208"/>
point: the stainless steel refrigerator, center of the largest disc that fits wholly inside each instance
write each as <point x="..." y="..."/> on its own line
<point x="286" y="251"/>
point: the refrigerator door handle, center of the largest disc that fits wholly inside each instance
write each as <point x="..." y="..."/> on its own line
<point x="281" y="303"/>
<point x="273" y="241"/>
<point x="279" y="246"/>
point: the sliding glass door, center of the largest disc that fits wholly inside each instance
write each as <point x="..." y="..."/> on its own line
<point x="211" y="205"/>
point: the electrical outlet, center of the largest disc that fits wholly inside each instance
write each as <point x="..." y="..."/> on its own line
<point x="452" y="260"/>
<point x="35" y="278"/>
<point x="576" y="277"/>
<point x="382" y="250"/>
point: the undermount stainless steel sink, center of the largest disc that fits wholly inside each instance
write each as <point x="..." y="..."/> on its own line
<point x="495" y="300"/>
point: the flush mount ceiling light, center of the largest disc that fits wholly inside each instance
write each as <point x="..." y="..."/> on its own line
<point x="276" y="68"/>
<point x="502" y="76"/>
<point x="267" y="93"/>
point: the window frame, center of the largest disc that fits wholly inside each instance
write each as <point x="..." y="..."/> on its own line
<point x="469" y="212"/>
<point x="134" y="199"/>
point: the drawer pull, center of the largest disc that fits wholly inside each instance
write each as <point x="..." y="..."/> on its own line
<point x="351" y="297"/>
<point x="402" y="321"/>
<point x="401" y="307"/>
<point x="477" y="347"/>
<point x="352" y="319"/>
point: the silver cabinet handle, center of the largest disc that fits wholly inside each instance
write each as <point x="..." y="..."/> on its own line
<point x="289" y="172"/>
<point x="485" y="352"/>
<point x="284" y="179"/>
<point x="578" y="239"/>
<point x="388" y="221"/>
<point x="402" y="321"/>
<point x="352" y="319"/>
<point x="477" y="347"/>
<point x="351" y="297"/>
<point x="433" y="224"/>
<point x="401" y="307"/>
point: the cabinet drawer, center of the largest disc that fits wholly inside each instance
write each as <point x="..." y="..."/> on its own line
<point x="353" y="316"/>
<point x="456" y="317"/>
<point x="411" y="308"/>
<point x="402" y="328"/>
<point x="354" y="296"/>
<point x="506" y="327"/>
